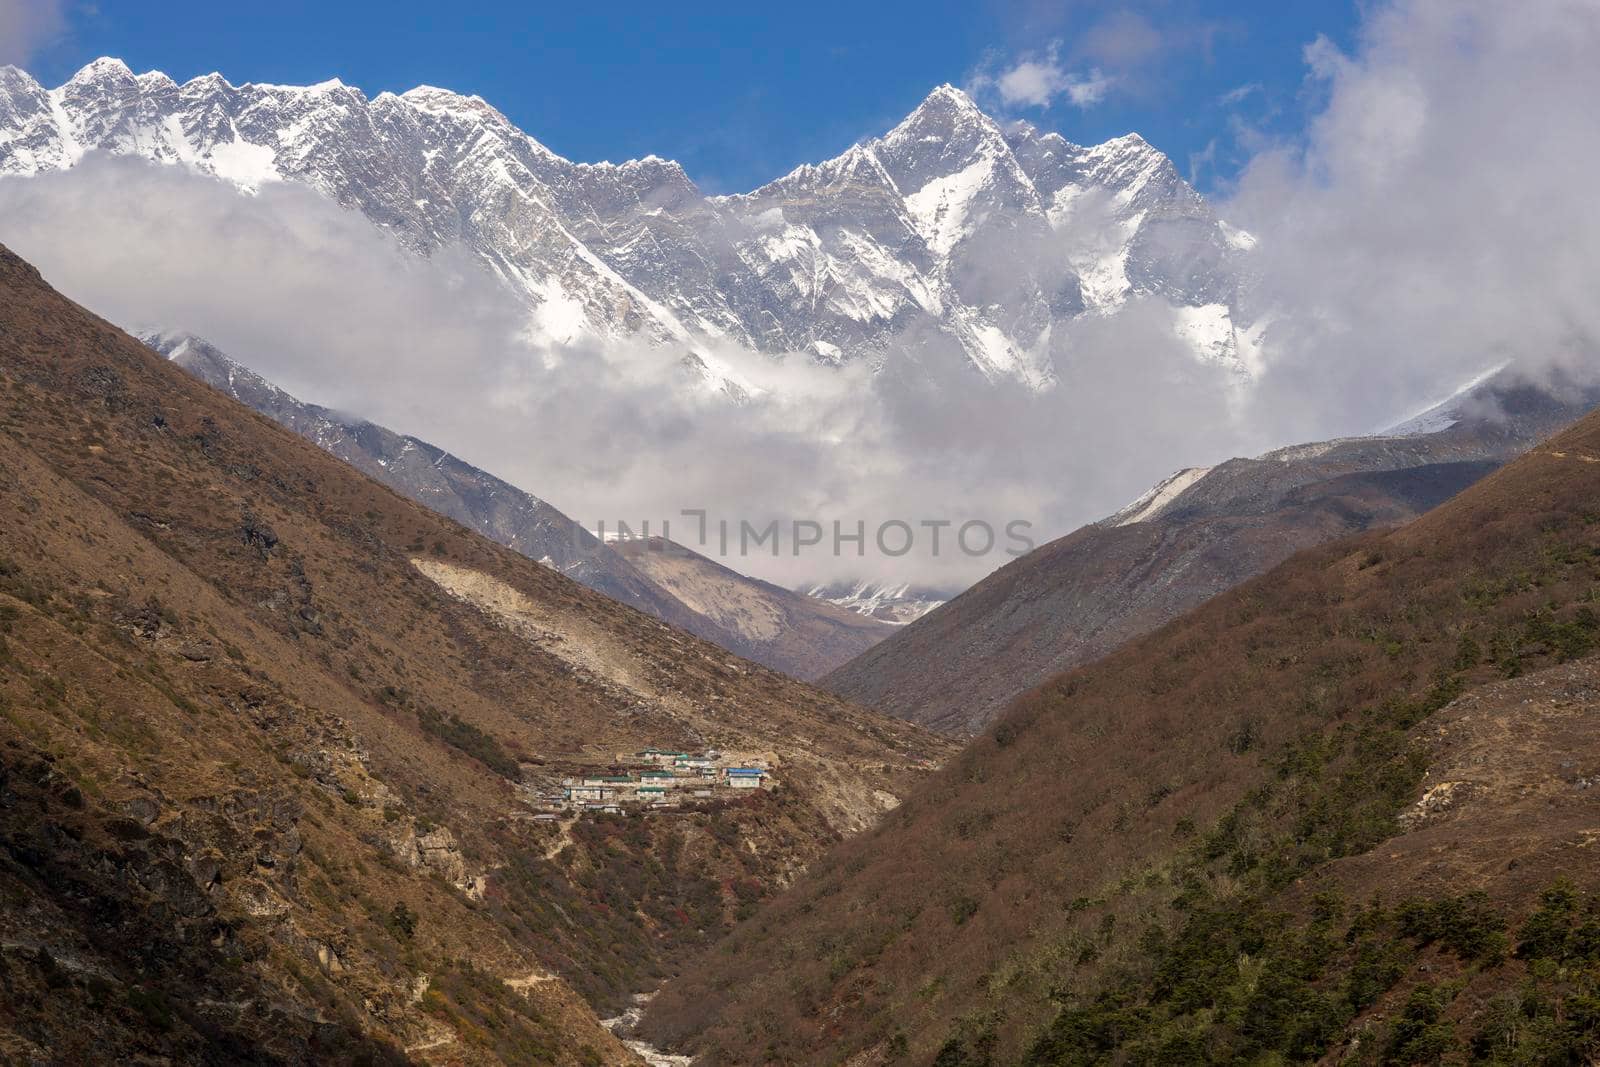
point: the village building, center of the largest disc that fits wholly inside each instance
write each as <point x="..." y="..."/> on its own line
<point x="598" y="788"/>
<point x="659" y="757"/>
<point x="704" y="766"/>
<point x="661" y="778"/>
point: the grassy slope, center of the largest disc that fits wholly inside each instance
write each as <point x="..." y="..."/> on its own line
<point x="1180" y="792"/>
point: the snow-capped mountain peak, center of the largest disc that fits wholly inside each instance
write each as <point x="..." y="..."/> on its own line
<point x="979" y="241"/>
<point x="897" y="603"/>
<point x="945" y="105"/>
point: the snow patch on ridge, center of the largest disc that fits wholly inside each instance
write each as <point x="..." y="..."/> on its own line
<point x="249" y="166"/>
<point x="1154" y="501"/>
<point x="941" y="208"/>
<point x="890" y="602"/>
<point x="1208" y="329"/>
<point x="1442" y="414"/>
<point x="1239" y="240"/>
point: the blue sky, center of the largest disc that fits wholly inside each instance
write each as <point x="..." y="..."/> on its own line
<point x="743" y="94"/>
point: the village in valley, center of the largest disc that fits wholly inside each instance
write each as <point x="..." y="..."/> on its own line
<point x="657" y="778"/>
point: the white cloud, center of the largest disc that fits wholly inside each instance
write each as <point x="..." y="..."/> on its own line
<point x="1438" y="217"/>
<point x="321" y="302"/>
<point x="1239" y="94"/>
<point x="1200" y="161"/>
<point x="1124" y="39"/>
<point x="27" y="25"/>
<point x="1040" y="80"/>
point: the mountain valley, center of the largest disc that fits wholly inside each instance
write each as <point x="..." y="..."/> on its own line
<point x="1284" y="825"/>
<point x="420" y="637"/>
<point x="272" y="736"/>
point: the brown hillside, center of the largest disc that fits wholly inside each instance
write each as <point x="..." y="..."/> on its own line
<point x="1075" y="599"/>
<point x="800" y="635"/>
<point x="268" y="732"/>
<point x="1170" y="855"/>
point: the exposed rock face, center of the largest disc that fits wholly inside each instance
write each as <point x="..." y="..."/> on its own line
<point x="966" y="244"/>
<point x="435" y="851"/>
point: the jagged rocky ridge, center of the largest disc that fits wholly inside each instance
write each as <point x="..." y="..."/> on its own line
<point x="952" y="240"/>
